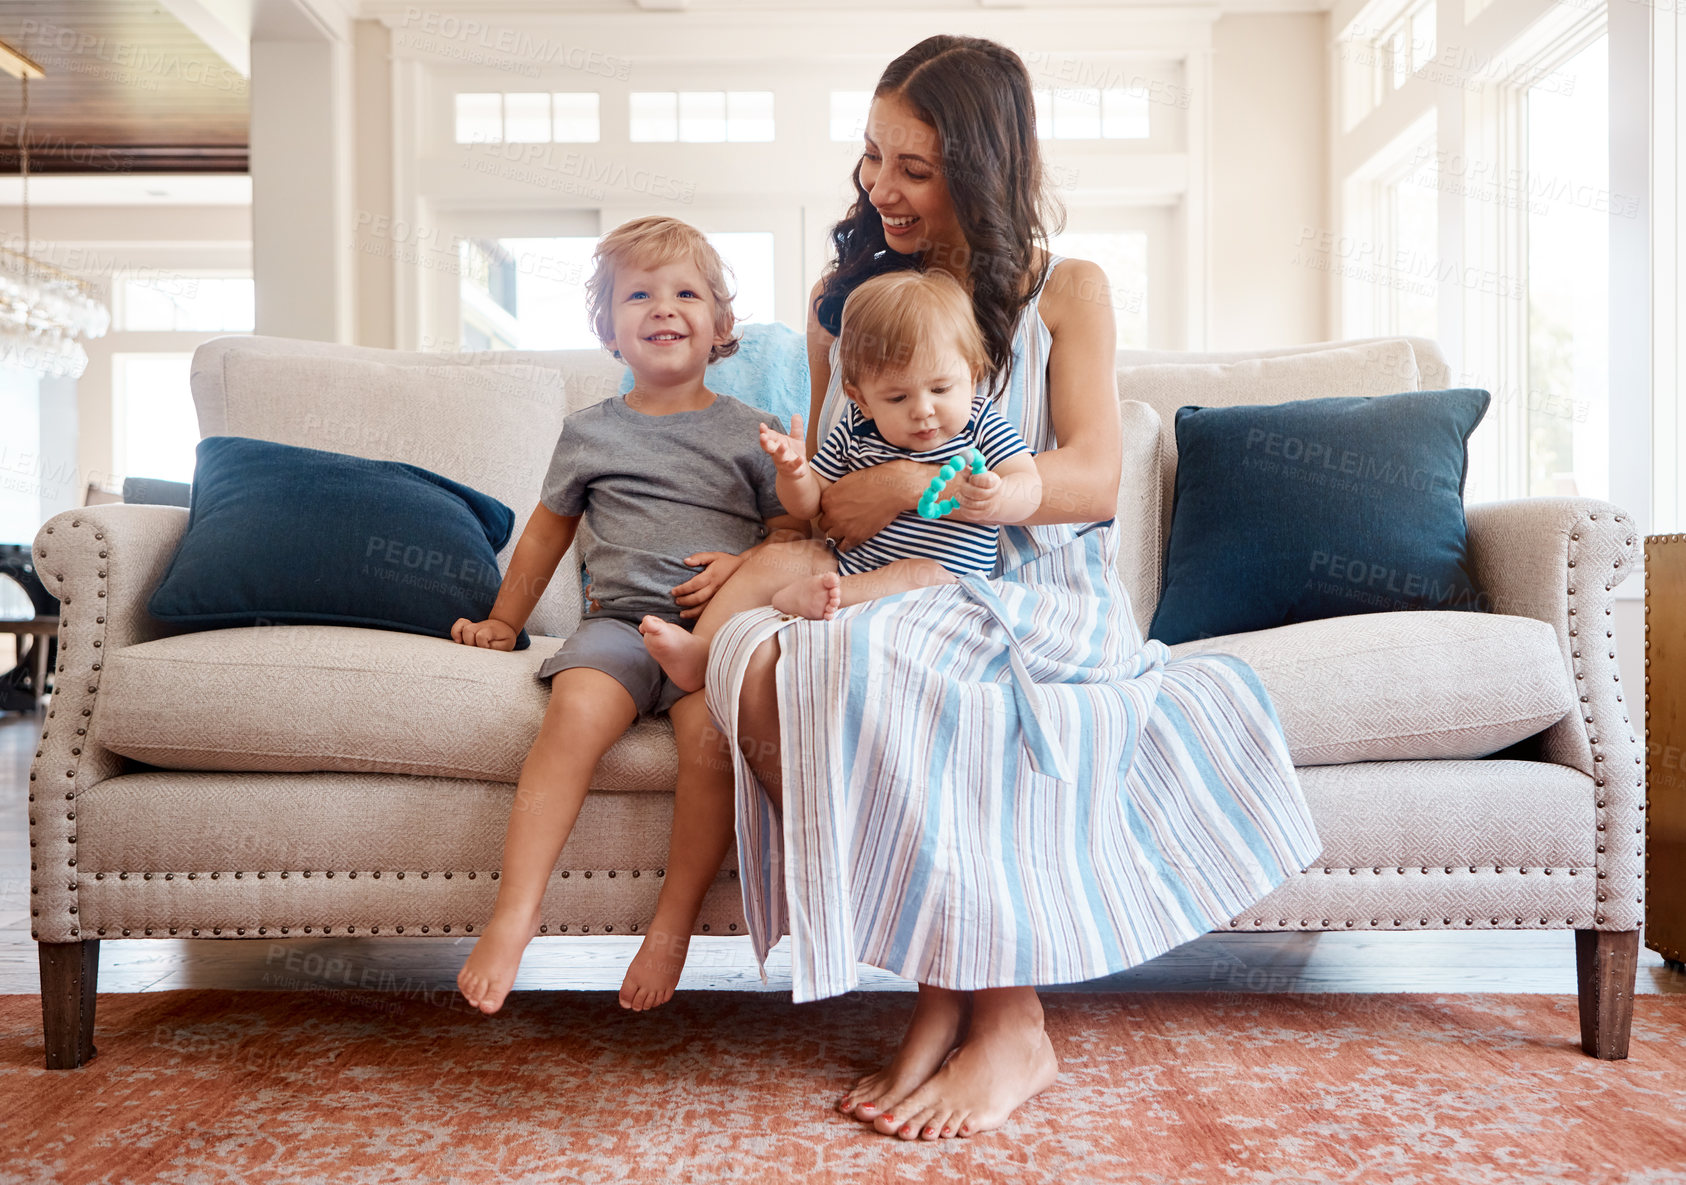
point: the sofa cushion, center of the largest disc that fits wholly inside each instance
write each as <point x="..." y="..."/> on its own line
<point x="284" y="535"/>
<point x="491" y="427"/>
<point x="1318" y="508"/>
<point x="1398" y="686"/>
<point x="321" y="697"/>
<point x="1374" y="368"/>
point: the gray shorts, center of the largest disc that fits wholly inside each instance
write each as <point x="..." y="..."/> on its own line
<point x="616" y="648"/>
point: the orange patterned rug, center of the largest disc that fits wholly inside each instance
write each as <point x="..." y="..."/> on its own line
<point x="259" y="1088"/>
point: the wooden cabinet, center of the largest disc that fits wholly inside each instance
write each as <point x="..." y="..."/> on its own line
<point x="1665" y="747"/>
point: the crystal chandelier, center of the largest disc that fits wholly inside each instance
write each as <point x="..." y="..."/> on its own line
<point x="43" y="310"/>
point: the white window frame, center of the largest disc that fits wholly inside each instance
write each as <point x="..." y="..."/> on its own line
<point x="1505" y="48"/>
<point x="798" y="184"/>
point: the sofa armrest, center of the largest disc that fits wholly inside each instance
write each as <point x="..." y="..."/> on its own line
<point x="102" y="562"/>
<point x="1559" y="560"/>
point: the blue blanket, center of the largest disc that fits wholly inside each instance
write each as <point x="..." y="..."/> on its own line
<point x="769" y="371"/>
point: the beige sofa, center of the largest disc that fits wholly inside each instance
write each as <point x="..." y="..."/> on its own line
<point x="290" y="781"/>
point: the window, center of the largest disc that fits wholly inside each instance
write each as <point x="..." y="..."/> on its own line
<point x="701" y="117"/>
<point x="1387" y="261"/>
<point x="1568" y="268"/>
<point x="161" y="301"/>
<point x="1412" y="212"/>
<point x="528" y="117"/>
<point x="1078" y="113"/>
<point x="529" y="294"/>
<point x="849" y="110"/>
<point x="1377" y="58"/>
<point x="1122" y="255"/>
<point x="479" y="119"/>
<point x="576" y="117"/>
<point x="156" y="427"/>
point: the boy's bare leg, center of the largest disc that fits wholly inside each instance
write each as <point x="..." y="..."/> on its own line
<point x="703" y="828"/>
<point x="588" y="712"/>
<point x="817" y="597"/>
<point x="683" y="654"/>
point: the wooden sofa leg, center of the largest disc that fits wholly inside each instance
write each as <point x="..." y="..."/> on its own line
<point x="69" y="972"/>
<point x="1606" y="962"/>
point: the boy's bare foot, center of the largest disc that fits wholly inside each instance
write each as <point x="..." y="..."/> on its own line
<point x="815" y="597"/>
<point x="654" y="971"/>
<point x="490" y="971"/>
<point x="1005" y="1060"/>
<point x="932" y="1034"/>
<point x="682" y="654"/>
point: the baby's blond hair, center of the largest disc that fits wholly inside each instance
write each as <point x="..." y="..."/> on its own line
<point x="655" y="242"/>
<point x="900" y="320"/>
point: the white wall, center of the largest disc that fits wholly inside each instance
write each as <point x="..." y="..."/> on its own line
<point x="1269" y="178"/>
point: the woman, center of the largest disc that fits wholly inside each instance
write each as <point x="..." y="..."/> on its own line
<point x="998" y="784"/>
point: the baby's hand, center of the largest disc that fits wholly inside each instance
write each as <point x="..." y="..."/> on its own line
<point x="788" y="452"/>
<point x="490" y="634"/>
<point x="979" y="495"/>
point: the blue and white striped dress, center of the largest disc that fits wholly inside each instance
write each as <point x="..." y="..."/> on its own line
<point x="999" y="783"/>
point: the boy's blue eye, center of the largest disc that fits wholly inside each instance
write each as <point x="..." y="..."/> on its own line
<point x="635" y="295"/>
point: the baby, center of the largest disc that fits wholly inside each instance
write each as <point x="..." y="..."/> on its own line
<point x="665" y="479"/>
<point x="911" y="358"/>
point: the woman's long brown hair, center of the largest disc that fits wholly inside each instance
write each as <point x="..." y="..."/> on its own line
<point x="977" y="95"/>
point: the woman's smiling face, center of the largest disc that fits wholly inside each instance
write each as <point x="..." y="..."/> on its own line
<point x="901" y="171"/>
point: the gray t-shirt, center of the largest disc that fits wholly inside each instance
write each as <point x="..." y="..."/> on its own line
<point x="655" y="489"/>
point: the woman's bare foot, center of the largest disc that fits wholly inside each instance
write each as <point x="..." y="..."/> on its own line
<point x="938" y="1019"/>
<point x="1005" y="1059"/>
<point x="815" y="597"/>
<point x="654" y="971"/>
<point x="682" y="654"/>
<point x="486" y="978"/>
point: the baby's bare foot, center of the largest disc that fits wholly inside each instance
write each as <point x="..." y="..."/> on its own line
<point x="814" y="597"/>
<point x="490" y="971"/>
<point x="682" y="654"/>
<point x="1005" y="1060"/>
<point x="932" y="1034"/>
<point x="654" y="971"/>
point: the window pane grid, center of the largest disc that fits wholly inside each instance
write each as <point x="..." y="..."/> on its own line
<point x="526" y="118"/>
<point x="479" y="118"/>
<point x="577" y="117"/>
<point x="1084" y="113"/>
<point x="749" y="116"/>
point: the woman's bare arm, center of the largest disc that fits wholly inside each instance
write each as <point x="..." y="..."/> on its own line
<point x="819" y="368"/>
<point x="1080" y="474"/>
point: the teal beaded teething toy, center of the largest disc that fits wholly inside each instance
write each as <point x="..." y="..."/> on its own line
<point x="929" y="506"/>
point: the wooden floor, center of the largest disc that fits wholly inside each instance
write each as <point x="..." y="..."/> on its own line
<point x="1489" y="961"/>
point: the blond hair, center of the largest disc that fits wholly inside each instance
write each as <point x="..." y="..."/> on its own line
<point x="902" y="320"/>
<point x="656" y="242"/>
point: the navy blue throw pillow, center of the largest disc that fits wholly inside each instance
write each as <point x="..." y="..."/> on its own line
<point x="1318" y="508"/>
<point x="279" y="535"/>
